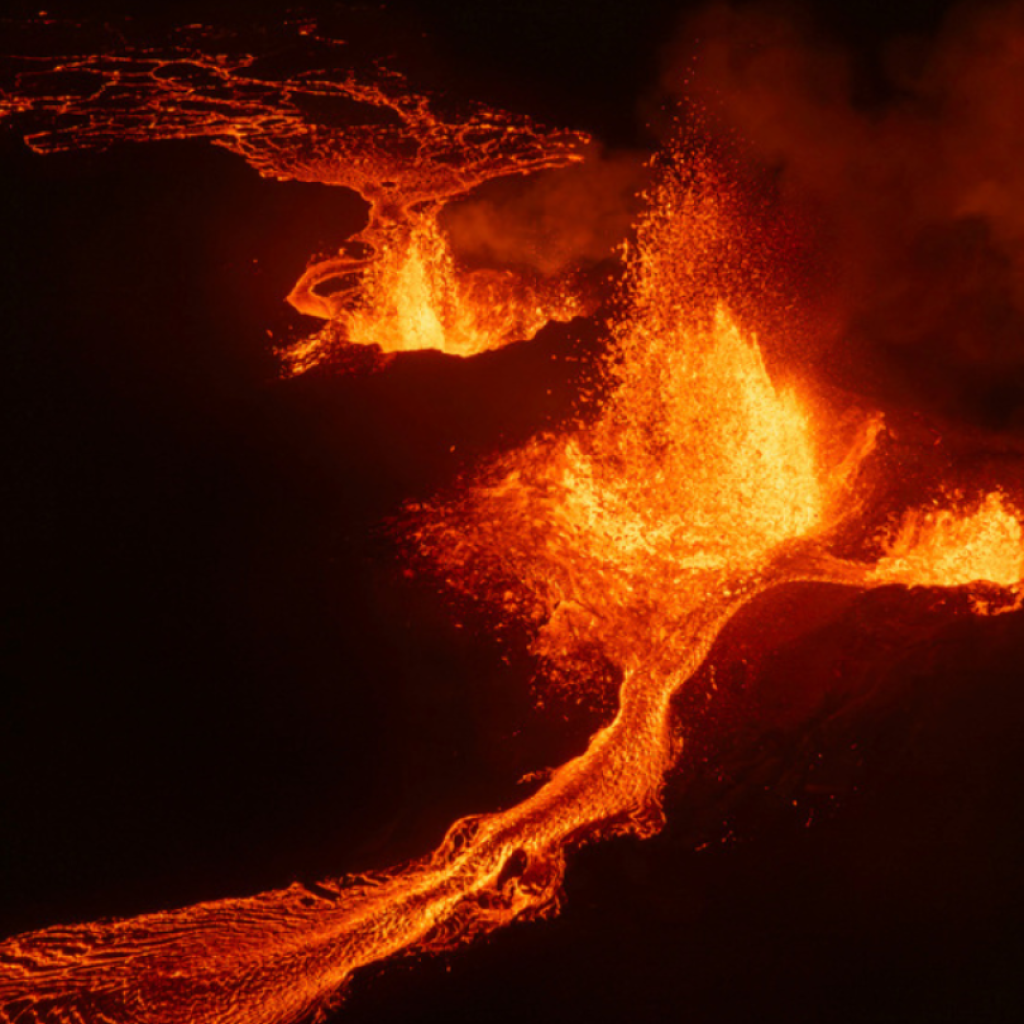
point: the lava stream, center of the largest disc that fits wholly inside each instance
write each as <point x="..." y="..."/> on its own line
<point x="280" y="956"/>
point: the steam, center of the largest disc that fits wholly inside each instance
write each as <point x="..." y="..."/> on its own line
<point x="554" y="220"/>
<point x="916" y="184"/>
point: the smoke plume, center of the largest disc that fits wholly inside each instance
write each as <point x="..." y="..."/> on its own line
<point x="913" y="172"/>
<point x="552" y="221"/>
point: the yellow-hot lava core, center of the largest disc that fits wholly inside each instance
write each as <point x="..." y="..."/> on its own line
<point x="700" y="458"/>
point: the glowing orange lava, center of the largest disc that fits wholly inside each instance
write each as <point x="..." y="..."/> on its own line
<point x="699" y="486"/>
<point x="413" y="296"/>
<point x="395" y="285"/>
<point x="941" y="548"/>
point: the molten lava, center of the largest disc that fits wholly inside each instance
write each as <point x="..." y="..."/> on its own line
<point x="395" y="285"/>
<point x="413" y="296"/>
<point x="700" y="485"/>
<point x="940" y="548"/>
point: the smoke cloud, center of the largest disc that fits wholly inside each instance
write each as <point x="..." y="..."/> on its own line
<point x="554" y="220"/>
<point x="915" y="175"/>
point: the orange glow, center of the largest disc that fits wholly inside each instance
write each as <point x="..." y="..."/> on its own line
<point x="700" y="485"/>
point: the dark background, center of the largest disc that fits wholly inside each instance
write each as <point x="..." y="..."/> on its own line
<point x="218" y="679"/>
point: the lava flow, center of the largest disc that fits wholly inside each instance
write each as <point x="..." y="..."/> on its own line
<point x="396" y="284"/>
<point x="701" y="485"/>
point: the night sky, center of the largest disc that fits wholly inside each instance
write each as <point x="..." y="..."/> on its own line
<point x="218" y="676"/>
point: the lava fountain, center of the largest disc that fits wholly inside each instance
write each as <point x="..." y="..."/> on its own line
<point x="699" y="486"/>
